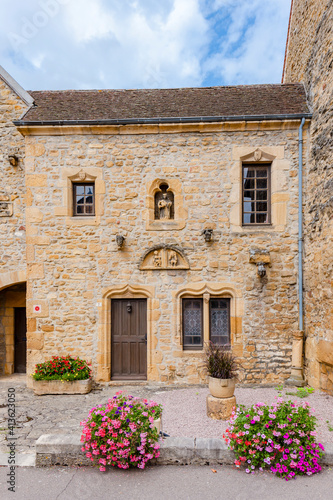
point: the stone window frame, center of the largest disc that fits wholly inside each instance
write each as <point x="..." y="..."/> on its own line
<point x="180" y="212"/>
<point x="206" y="291"/>
<point x="71" y="176"/>
<point x="280" y="195"/>
<point x="204" y="311"/>
<point x="104" y="328"/>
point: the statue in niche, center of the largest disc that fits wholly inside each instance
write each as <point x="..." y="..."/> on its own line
<point x="164" y="203"/>
<point x="164" y="206"/>
<point x="173" y="259"/>
<point x="157" y="259"/>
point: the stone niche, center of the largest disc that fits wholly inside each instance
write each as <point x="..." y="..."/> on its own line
<point x="163" y="257"/>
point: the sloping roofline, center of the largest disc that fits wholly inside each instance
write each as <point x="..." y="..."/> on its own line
<point x="16" y="87"/>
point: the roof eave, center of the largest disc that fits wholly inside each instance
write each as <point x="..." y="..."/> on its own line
<point x="137" y="121"/>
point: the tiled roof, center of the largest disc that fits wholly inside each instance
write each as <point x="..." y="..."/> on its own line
<point x="166" y="104"/>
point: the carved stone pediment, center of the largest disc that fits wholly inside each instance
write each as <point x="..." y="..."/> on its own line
<point x="82" y="176"/>
<point x="163" y="257"/>
<point x="258" y="156"/>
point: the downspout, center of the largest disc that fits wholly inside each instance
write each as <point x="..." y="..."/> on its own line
<point x="300" y="226"/>
<point x="296" y="377"/>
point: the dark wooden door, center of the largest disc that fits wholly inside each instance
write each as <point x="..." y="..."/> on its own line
<point x="20" y="334"/>
<point x="129" y="339"/>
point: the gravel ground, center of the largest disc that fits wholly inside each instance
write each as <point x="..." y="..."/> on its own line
<point x="185" y="410"/>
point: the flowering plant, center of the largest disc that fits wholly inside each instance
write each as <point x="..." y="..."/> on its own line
<point x="281" y="436"/>
<point x="62" y="368"/>
<point x="219" y="361"/>
<point x="122" y="433"/>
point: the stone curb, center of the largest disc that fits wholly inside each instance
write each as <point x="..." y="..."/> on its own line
<point x="64" y="449"/>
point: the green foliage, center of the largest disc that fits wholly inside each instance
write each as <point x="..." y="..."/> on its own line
<point x="62" y="368"/>
<point x="329" y="426"/>
<point x="281" y="437"/>
<point x="302" y="392"/>
<point x="219" y="361"/>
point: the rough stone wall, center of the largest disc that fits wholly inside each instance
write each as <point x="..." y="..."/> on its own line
<point x="12" y="190"/>
<point x="12" y="213"/>
<point x="71" y="263"/>
<point x="310" y="60"/>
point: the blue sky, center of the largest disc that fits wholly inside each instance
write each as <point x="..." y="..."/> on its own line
<point x="72" y="44"/>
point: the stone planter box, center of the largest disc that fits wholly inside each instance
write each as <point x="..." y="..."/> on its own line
<point x="41" y="387"/>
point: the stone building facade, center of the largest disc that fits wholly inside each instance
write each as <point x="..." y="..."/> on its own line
<point x="138" y="225"/>
<point x="309" y="60"/>
<point x="166" y="244"/>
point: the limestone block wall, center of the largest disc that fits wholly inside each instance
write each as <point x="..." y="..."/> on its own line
<point x="12" y="190"/>
<point x="75" y="267"/>
<point x="309" y="60"/>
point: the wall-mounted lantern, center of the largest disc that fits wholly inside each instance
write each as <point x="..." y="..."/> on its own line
<point x="13" y="160"/>
<point x="207" y="234"/>
<point x="120" y="240"/>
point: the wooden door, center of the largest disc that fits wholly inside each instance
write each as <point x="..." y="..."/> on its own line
<point x="20" y="335"/>
<point x="129" y="339"/>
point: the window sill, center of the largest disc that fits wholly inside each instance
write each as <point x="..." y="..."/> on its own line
<point x="91" y="220"/>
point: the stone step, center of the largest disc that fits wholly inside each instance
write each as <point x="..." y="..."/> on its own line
<point x="64" y="449"/>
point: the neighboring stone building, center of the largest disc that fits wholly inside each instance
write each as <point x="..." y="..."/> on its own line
<point x="156" y="220"/>
<point x="309" y="59"/>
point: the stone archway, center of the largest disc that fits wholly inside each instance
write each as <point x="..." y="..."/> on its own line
<point x="12" y="322"/>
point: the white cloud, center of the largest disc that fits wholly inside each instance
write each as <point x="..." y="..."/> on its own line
<point x="142" y="43"/>
<point x="253" y="49"/>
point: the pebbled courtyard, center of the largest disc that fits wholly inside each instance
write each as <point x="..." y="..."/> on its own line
<point x="184" y="410"/>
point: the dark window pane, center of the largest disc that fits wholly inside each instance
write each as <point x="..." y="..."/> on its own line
<point x="261" y="183"/>
<point x="249" y="184"/>
<point x="261" y="195"/>
<point x="249" y="195"/>
<point x="89" y="190"/>
<point x="89" y="199"/>
<point x="261" y="206"/>
<point x="261" y="218"/>
<point x="80" y="209"/>
<point x="80" y="200"/>
<point x="249" y="172"/>
<point x="89" y="209"/>
<point x="262" y="173"/>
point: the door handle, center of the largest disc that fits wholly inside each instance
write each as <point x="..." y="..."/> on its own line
<point x="144" y="339"/>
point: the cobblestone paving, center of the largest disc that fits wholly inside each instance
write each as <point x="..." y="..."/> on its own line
<point x="37" y="415"/>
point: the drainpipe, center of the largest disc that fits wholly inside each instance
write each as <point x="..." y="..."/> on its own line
<point x="296" y="377"/>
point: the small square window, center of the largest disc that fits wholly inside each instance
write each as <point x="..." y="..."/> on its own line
<point x="256" y="194"/>
<point x="83" y="199"/>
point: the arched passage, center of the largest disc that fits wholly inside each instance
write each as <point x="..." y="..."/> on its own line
<point x="12" y="323"/>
